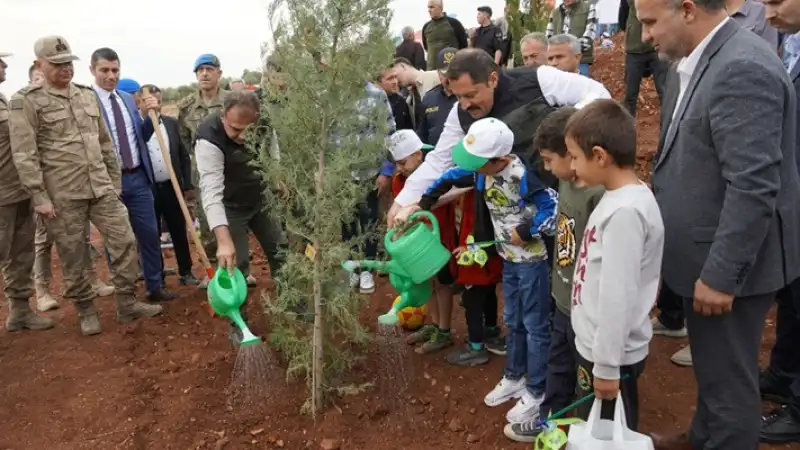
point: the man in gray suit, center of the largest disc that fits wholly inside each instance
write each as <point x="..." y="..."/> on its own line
<point x="726" y="182"/>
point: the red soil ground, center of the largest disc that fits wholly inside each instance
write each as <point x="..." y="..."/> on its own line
<point x="159" y="384"/>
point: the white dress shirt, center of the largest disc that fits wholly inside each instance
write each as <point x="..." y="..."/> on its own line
<point x="105" y="100"/>
<point x="160" y="168"/>
<point x="688" y="64"/>
<point x="558" y="88"/>
<point x="211" y="168"/>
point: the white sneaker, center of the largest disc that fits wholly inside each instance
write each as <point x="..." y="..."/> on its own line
<point x="504" y="391"/>
<point x="355" y="280"/>
<point x="366" y="283"/>
<point x="526" y="409"/>
<point x="660" y="330"/>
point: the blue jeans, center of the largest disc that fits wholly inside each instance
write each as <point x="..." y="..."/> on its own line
<point x="610" y="28"/>
<point x="526" y="312"/>
<point x="583" y="69"/>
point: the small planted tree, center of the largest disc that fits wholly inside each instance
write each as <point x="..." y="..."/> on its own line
<point x="331" y="143"/>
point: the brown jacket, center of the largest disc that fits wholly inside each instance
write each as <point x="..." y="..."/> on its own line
<point x="11" y="190"/>
<point x="61" y="146"/>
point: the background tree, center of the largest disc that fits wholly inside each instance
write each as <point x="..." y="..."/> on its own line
<point x="327" y="51"/>
<point x="525" y="16"/>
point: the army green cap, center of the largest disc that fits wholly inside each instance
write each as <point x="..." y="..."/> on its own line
<point x="54" y="49"/>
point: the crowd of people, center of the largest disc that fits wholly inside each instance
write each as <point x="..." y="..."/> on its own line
<point x="725" y="182"/>
<point x="580" y="248"/>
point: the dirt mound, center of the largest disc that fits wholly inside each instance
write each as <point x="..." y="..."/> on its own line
<point x="609" y="69"/>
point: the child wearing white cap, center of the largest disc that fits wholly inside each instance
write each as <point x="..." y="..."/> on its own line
<point x="520" y="208"/>
<point x="408" y="152"/>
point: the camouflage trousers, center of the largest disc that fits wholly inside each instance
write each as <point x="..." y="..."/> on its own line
<point x="68" y="231"/>
<point x="207" y="237"/>
<point x="17" y="230"/>
<point x="43" y="262"/>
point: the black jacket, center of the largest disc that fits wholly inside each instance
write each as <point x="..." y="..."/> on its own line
<point x="181" y="162"/>
<point x="412" y="51"/>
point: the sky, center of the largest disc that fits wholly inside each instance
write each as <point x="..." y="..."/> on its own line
<point x="158" y="40"/>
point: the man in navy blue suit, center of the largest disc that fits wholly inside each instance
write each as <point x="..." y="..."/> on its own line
<point x="130" y="134"/>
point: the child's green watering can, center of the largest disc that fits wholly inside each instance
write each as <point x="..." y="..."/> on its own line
<point x="226" y="294"/>
<point x="418" y="251"/>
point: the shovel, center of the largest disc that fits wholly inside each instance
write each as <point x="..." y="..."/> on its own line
<point x="179" y="194"/>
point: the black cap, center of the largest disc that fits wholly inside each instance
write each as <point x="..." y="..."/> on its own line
<point x="444" y="57"/>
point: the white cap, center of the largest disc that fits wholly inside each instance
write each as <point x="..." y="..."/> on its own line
<point x="486" y="139"/>
<point x="405" y="143"/>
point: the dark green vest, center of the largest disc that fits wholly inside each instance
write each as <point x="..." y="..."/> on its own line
<point x="577" y="25"/>
<point x="243" y="183"/>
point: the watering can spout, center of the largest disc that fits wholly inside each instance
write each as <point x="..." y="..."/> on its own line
<point x="391" y="267"/>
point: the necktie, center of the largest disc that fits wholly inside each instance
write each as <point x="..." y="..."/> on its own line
<point x="122" y="136"/>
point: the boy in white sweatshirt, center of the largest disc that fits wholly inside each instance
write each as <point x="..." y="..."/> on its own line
<point x="617" y="274"/>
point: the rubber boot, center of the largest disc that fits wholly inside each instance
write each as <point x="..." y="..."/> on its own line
<point x="88" y="318"/>
<point x="101" y="289"/>
<point x="21" y="317"/>
<point x="44" y="300"/>
<point x="129" y="310"/>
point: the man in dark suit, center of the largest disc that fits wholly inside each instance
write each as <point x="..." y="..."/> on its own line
<point x="726" y="181"/>
<point x="781" y="381"/>
<point x="130" y="134"/>
<point x="166" y="202"/>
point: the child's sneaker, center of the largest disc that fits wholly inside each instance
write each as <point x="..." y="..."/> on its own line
<point x="504" y="391"/>
<point x="526" y="409"/>
<point x="437" y="341"/>
<point x="421" y="335"/>
<point x="525" y="431"/>
<point x="366" y="283"/>
<point x="468" y="356"/>
<point x="495" y="343"/>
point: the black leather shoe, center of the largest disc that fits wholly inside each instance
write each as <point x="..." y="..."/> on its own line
<point x="189" y="280"/>
<point x="161" y="295"/>
<point x="780" y="427"/>
<point x="773" y="389"/>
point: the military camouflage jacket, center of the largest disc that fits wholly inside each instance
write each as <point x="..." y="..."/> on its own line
<point x="11" y="190"/>
<point x="61" y="146"/>
<point x="191" y="111"/>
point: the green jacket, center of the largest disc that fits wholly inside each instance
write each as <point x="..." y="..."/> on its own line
<point x="633" y="33"/>
<point x="438" y="34"/>
<point x="582" y="25"/>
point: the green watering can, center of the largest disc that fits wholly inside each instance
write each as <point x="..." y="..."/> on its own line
<point x="226" y="294"/>
<point x="417" y="255"/>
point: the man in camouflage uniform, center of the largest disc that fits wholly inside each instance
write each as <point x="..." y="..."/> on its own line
<point x="43" y="246"/>
<point x="191" y="111"/>
<point x="16" y="232"/>
<point x="66" y="161"/>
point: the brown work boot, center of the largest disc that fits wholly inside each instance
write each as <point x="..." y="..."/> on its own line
<point x="44" y="300"/>
<point x="129" y="310"/>
<point x="101" y="289"/>
<point x="20" y="317"/>
<point x="88" y="318"/>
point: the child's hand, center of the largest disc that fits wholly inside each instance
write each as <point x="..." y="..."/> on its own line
<point x="515" y="239"/>
<point x="605" y="389"/>
<point x="459" y="251"/>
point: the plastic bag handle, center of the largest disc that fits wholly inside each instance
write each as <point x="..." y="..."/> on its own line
<point x="620" y="421"/>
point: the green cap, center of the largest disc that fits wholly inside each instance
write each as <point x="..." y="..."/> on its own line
<point x="486" y="139"/>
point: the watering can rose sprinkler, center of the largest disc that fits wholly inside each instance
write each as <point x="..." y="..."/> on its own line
<point x="226" y="295"/>
<point x="417" y="255"/>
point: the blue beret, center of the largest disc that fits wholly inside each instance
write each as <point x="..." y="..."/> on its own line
<point x="128" y="85"/>
<point x="206" y="60"/>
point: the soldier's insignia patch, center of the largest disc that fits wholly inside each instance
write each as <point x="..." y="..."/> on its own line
<point x="60" y="47"/>
<point x="16" y="103"/>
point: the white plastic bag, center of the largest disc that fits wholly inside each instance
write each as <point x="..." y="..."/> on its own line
<point x="601" y="434"/>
